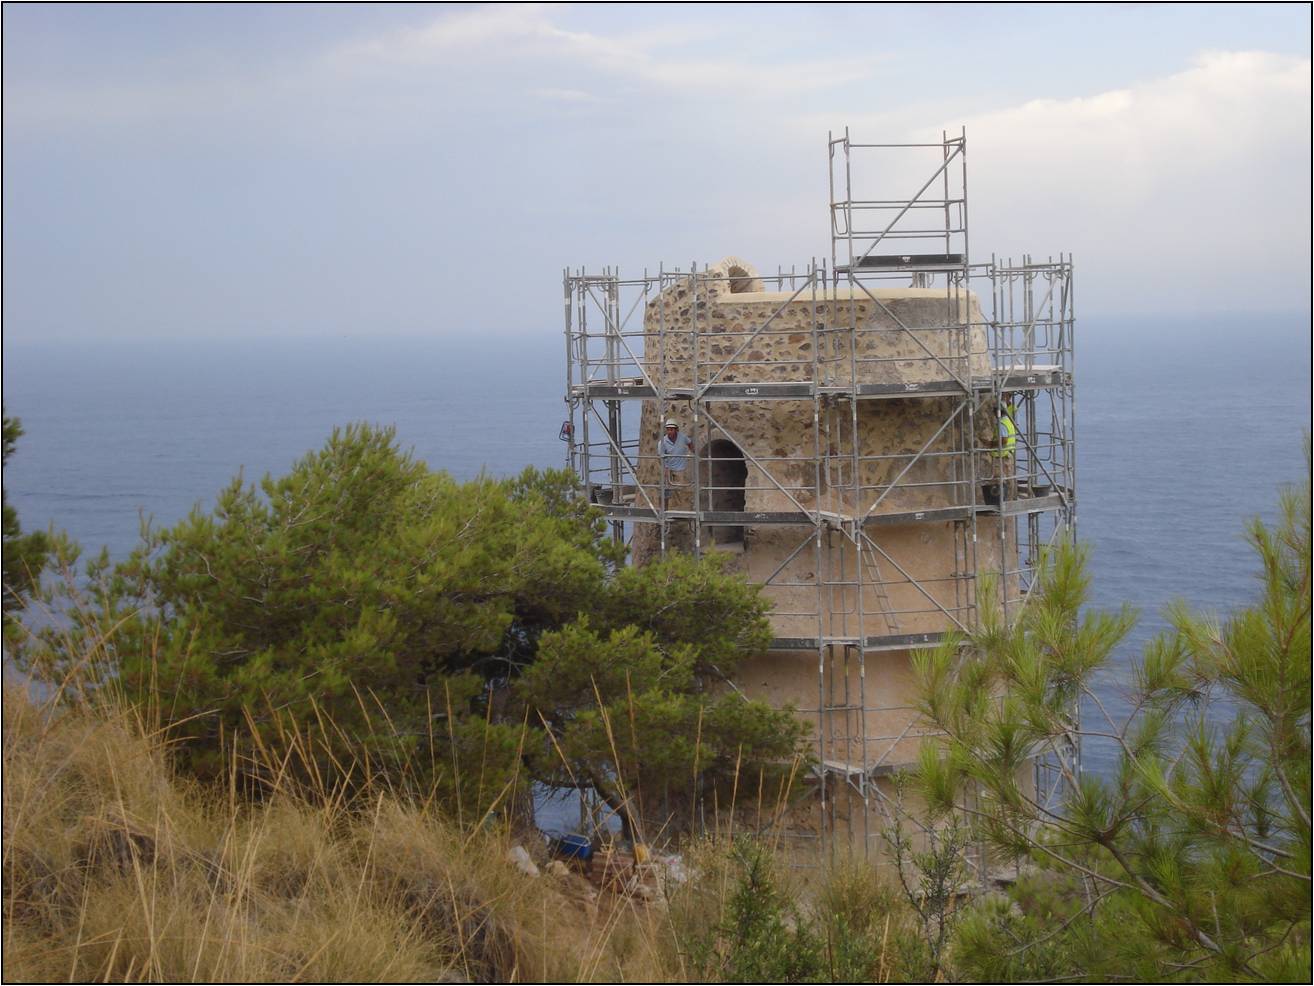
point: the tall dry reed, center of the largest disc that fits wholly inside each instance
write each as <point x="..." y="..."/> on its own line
<point x="116" y="868"/>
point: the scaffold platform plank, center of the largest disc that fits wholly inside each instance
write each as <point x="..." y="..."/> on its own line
<point x="1014" y="378"/>
<point x="774" y="390"/>
<point x="923" y="388"/>
<point x="615" y="391"/>
<point x="1031" y="505"/>
<point x="1032" y="378"/>
<point x="898" y="641"/>
<point x="906" y="262"/>
<point x="801" y="518"/>
<point x="851" y="770"/>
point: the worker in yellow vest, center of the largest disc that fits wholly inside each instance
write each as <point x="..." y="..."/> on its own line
<point x="1007" y="446"/>
<point x="1008" y="426"/>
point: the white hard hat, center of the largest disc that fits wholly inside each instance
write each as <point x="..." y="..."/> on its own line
<point x="672" y="423"/>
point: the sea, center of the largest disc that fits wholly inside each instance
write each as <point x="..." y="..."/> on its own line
<point x="1187" y="428"/>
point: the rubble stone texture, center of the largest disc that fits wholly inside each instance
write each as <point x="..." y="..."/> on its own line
<point x="726" y="329"/>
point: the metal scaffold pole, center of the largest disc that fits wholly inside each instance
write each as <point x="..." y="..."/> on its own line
<point x="854" y="404"/>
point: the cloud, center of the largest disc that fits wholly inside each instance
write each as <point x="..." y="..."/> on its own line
<point x="642" y="57"/>
<point x="496" y="24"/>
<point x="633" y="146"/>
<point x="1224" y="107"/>
<point x="567" y="96"/>
<point x="493" y="50"/>
<point x="1190" y="190"/>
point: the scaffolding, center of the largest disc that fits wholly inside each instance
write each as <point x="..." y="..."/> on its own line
<point x="887" y="495"/>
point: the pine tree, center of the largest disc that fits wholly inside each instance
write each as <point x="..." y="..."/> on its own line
<point x="635" y="699"/>
<point x="25" y="555"/>
<point x="370" y="613"/>
<point x="1192" y="859"/>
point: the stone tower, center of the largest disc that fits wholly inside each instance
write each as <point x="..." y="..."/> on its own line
<point x="848" y="458"/>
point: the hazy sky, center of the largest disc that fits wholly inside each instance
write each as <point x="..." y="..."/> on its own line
<point x="196" y="171"/>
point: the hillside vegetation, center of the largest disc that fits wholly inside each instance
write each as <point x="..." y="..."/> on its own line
<point x="294" y="740"/>
<point x="118" y="868"/>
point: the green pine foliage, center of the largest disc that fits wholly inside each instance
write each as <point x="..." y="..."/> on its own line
<point x="25" y="555"/>
<point x="1193" y="860"/>
<point x="637" y="703"/>
<point x="367" y="612"/>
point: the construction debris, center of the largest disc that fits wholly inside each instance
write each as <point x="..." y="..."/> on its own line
<point x="519" y="856"/>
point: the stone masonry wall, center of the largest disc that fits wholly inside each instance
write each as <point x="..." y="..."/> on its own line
<point x="801" y="463"/>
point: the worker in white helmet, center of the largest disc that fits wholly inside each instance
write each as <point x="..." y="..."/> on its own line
<point x="674" y="450"/>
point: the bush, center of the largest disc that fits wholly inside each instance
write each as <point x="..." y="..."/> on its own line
<point x="360" y="616"/>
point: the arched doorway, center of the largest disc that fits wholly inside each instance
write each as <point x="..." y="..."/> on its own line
<point x="727" y="474"/>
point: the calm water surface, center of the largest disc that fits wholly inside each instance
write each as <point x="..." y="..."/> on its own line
<point x="1185" y="431"/>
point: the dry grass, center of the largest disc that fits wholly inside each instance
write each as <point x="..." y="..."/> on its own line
<point x="117" y="869"/>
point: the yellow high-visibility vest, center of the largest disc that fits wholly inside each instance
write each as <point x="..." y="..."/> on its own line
<point x="1008" y="442"/>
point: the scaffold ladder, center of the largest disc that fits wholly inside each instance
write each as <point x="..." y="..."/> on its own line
<point x="884" y="607"/>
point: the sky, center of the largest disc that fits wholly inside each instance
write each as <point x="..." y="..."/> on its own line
<point x="351" y="171"/>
